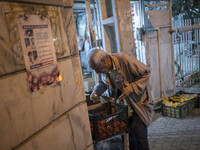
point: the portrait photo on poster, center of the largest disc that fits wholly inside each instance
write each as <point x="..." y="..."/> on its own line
<point x="35" y="55"/>
<point x="30" y="57"/>
<point x="33" y="43"/>
<point x="27" y="42"/>
<point x="29" y="32"/>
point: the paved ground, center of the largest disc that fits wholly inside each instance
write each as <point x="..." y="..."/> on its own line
<point x="175" y="134"/>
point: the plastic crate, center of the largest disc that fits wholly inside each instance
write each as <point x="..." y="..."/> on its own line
<point x="197" y="102"/>
<point x="179" y="111"/>
<point x="107" y="120"/>
<point x="175" y="112"/>
<point x="190" y="105"/>
<point x="166" y="110"/>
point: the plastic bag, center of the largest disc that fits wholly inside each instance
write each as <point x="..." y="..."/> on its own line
<point x="125" y="101"/>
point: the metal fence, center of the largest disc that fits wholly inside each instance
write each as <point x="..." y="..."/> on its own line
<point x="186" y="38"/>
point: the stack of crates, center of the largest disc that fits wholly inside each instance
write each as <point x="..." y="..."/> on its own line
<point x="178" y="106"/>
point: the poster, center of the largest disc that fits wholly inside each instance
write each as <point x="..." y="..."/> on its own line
<point x="38" y="50"/>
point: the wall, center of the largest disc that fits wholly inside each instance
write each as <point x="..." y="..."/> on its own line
<point x="56" y="116"/>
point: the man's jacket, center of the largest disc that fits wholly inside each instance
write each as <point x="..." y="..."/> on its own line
<point x="133" y="75"/>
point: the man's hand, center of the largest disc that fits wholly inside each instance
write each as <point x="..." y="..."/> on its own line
<point x="93" y="95"/>
<point x="125" y="93"/>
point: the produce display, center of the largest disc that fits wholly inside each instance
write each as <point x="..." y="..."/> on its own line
<point x="178" y="106"/>
<point x="109" y="129"/>
<point x="175" y="101"/>
<point x="108" y="119"/>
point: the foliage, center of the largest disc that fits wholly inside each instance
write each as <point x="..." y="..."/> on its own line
<point x="189" y="8"/>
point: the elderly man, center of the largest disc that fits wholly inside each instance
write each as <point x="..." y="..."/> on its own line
<point x="127" y="78"/>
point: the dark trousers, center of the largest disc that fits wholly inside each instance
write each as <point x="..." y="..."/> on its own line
<point x="138" y="133"/>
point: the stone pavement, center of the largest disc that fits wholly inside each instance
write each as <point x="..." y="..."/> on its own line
<point x="167" y="133"/>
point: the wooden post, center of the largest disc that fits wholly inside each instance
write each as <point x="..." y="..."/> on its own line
<point x="125" y="26"/>
<point x="172" y="46"/>
<point x="126" y="141"/>
<point x="91" y="31"/>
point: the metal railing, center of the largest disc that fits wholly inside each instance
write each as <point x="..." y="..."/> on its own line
<point x="186" y="38"/>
